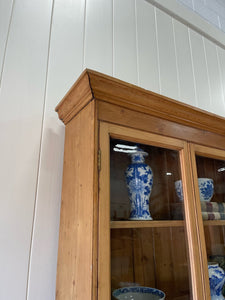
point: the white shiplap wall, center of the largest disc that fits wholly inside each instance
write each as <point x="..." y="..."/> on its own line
<point x="22" y="92"/>
<point x="44" y="46"/>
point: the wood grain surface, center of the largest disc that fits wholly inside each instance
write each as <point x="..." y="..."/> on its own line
<point x="167" y="253"/>
<point x="75" y="258"/>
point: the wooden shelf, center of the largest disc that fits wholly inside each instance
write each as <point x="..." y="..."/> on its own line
<point x="214" y="223"/>
<point x="145" y="224"/>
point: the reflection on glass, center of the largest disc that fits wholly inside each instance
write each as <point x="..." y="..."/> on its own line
<point x="211" y="179"/>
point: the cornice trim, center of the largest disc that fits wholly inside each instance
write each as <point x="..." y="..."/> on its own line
<point x="94" y="85"/>
<point x="79" y="95"/>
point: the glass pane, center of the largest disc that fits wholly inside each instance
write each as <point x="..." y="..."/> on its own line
<point x="164" y="203"/>
<point x="211" y="182"/>
<point x="148" y="249"/>
<point x="150" y="257"/>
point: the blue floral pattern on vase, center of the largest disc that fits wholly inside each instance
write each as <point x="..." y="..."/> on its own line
<point x="130" y="292"/>
<point x="139" y="178"/>
<point x="216" y="281"/>
<point x="205" y="186"/>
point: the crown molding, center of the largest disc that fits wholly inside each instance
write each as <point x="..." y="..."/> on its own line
<point x="95" y="86"/>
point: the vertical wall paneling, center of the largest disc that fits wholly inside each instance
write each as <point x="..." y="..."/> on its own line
<point x="124" y="41"/>
<point x="217" y="105"/>
<point x="39" y="61"/>
<point x="184" y="63"/>
<point x="6" y="7"/>
<point x="98" y="36"/>
<point x="221" y="59"/>
<point x="200" y="71"/>
<point x="22" y="101"/>
<point x="65" y="65"/>
<point x="147" y="47"/>
<point x="167" y="57"/>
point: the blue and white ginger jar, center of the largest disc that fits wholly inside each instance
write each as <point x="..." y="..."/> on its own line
<point x="139" y="178"/>
<point x="216" y="281"/>
<point x="205" y="186"/>
<point x="206" y="189"/>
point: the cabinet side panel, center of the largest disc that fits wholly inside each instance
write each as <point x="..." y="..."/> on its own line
<point x="74" y="273"/>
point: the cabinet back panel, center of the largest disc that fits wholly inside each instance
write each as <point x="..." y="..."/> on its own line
<point x="154" y="257"/>
<point x="215" y="241"/>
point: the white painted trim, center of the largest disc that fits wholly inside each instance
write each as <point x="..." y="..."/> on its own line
<point x="191" y="19"/>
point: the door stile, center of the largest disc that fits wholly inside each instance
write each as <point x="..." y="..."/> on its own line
<point x="209" y="152"/>
<point x="104" y="268"/>
<point x="199" y="223"/>
<point x="197" y="276"/>
<point x="95" y="211"/>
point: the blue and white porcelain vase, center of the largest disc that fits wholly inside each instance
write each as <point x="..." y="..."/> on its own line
<point x="216" y="281"/>
<point x="139" y="178"/>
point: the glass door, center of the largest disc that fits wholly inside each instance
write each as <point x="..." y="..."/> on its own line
<point x="146" y="234"/>
<point x="210" y="186"/>
<point x="147" y="213"/>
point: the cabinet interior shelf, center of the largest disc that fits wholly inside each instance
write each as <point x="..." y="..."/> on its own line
<point x="214" y="222"/>
<point x="161" y="223"/>
<point x="145" y="224"/>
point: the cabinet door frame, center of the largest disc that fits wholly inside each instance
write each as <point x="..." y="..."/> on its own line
<point x="209" y="152"/>
<point x="107" y="130"/>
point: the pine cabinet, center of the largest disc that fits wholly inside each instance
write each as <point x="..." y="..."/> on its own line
<point x="101" y="248"/>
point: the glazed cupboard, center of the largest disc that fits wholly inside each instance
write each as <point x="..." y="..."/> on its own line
<point x="100" y="248"/>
